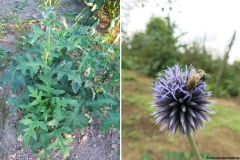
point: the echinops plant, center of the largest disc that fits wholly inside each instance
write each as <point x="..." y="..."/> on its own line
<point x="69" y="77"/>
<point x="178" y="107"/>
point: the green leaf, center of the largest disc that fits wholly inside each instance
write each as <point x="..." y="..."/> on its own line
<point x="44" y="154"/>
<point x="29" y="132"/>
<point x="26" y="121"/>
<point x="29" y="63"/>
<point x="61" y="142"/>
<point x="89" y="84"/>
<point x="102" y="102"/>
<point x="53" y="122"/>
<point x="75" y="87"/>
<point x="65" y="69"/>
<point x="112" y="120"/>
<point x="56" y="92"/>
<point x="79" y="121"/>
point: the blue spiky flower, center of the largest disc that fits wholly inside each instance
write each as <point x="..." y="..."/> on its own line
<point x="179" y="107"/>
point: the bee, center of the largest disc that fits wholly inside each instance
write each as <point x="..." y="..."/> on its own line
<point x="193" y="81"/>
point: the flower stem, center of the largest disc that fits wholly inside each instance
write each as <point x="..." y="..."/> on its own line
<point x="193" y="145"/>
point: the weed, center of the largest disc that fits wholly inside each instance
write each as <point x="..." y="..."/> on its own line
<point x="16" y="25"/>
<point x="131" y="120"/>
<point x="170" y="139"/>
<point x="124" y="133"/>
<point x="160" y="148"/>
<point x="155" y="137"/>
<point x="132" y="145"/>
<point x="146" y="156"/>
<point x="5" y="57"/>
<point x="135" y="135"/>
<point x="3" y="30"/>
<point x="95" y="10"/>
<point x="47" y="3"/>
<point x="20" y="5"/>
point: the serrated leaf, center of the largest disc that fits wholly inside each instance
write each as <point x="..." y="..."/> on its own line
<point x="56" y="92"/>
<point x="26" y="121"/>
<point x="79" y="121"/>
<point x="42" y="125"/>
<point x="102" y="102"/>
<point x="75" y="87"/>
<point x="44" y="154"/>
<point x="89" y="84"/>
<point x="29" y="63"/>
<point x="109" y="121"/>
<point x="53" y="122"/>
<point x="65" y="69"/>
<point x="60" y="142"/>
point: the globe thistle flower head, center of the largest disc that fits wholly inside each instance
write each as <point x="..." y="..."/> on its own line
<point x="180" y="99"/>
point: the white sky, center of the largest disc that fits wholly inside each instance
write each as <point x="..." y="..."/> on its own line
<point x="217" y="19"/>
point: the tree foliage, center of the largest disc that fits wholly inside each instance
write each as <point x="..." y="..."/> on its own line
<point x="157" y="47"/>
<point x="154" y="49"/>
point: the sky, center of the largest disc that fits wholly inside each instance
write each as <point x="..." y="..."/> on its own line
<point x="216" y="20"/>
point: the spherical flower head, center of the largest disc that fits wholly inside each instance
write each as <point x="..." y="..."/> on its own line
<point x="180" y="106"/>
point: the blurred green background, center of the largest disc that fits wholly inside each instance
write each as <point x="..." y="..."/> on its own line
<point x="144" y="55"/>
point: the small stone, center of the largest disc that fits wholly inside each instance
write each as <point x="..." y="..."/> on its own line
<point x="114" y="146"/>
<point x="12" y="157"/>
<point x="20" y="138"/>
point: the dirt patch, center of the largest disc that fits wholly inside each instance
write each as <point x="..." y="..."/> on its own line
<point x="88" y="144"/>
<point x="222" y="142"/>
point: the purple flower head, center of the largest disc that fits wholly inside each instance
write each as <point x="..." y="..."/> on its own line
<point x="181" y="106"/>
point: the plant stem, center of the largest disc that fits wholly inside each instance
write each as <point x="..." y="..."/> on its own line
<point x="193" y="145"/>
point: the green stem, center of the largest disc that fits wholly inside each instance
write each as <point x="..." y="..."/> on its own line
<point x="193" y="145"/>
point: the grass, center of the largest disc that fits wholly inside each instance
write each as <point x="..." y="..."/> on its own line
<point x="132" y="145"/>
<point x="142" y="101"/>
<point x="135" y="135"/>
<point x="131" y="120"/>
<point x="225" y="117"/>
<point x="16" y="25"/>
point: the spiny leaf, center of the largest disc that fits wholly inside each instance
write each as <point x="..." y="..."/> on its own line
<point x="65" y="69"/>
<point x="61" y="142"/>
<point x="53" y="122"/>
<point x="78" y="120"/>
<point x="75" y="87"/>
<point x="102" y="102"/>
<point x="89" y="84"/>
<point x="29" y="63"/>
<point x="44" y="154"/>
<point x="112" y="120"/>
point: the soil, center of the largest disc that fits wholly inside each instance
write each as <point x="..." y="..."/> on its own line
<point x="222" y="142"/>
<point x="90" y="144"/>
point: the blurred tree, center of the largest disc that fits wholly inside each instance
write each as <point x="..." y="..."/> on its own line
<point x="237" y="72"/>
<point x="129" y="5"/>
<point x="155" y="49"/>
<point x="196" y="54"/>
